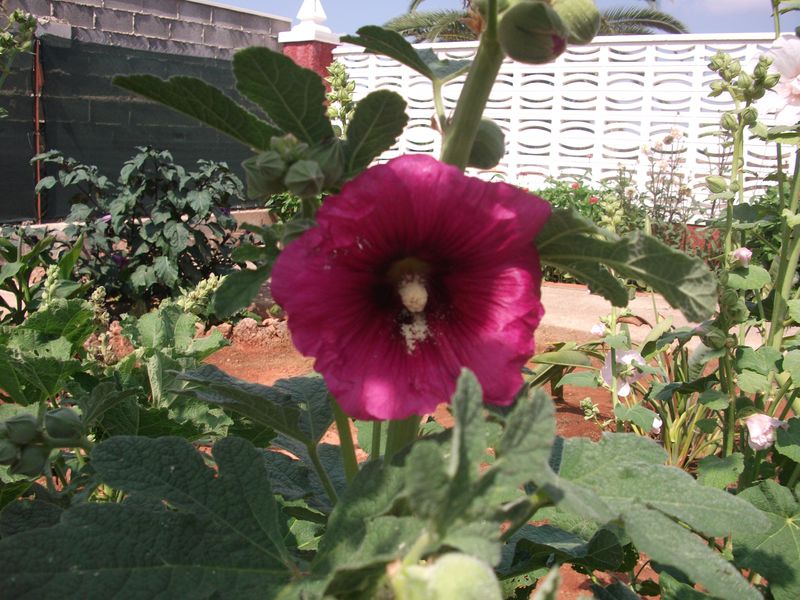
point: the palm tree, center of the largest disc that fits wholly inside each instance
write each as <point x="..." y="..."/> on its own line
<point x="451" y="25"/>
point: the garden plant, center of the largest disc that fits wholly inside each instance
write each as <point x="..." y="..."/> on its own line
<point x="413" y="284"/>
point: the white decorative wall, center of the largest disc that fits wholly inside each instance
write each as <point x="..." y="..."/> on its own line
<point x="589" y="111"/>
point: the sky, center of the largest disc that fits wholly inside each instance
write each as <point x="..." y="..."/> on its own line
<point x="701" y="16"/>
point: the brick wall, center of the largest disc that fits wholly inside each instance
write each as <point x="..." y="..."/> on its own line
<point x="190" y="28"/>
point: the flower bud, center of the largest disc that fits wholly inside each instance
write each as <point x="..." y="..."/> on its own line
<point x="714" y="338"/>
<point x="9" y="452"/>
<point x="21" y="429"/>
<point x="264" y="173"/>
<point x="32" y="461"/>
<point x="728" y="122"/>
<point x="532" y="33"/>
<point x="762" y="68"/>
<point x="742" y="256"/>
<point x="63" y="424"/>
<point x="745" y="82"/>
<point x="305" y="179"/>
<point x="716" y="184"/>
<point x="581" y="18"/>
<point x="330" y="159"/>
<point x="750" y="116"/>
<point x="771" y="80"/>
<point x="453" y="576"/>
<point x="289" y="148"/>
<point x="489" y="146"/>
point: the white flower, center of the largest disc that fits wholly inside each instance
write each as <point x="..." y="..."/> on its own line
<point x="598" y="329"/>
<point x="742" y="256"/>
<point x="676" y="133"/>
<point x="627" y="371"/>
<point x="630" y="192"/>
<point x="761" y="429"/>
<point x="784" y="99"/>
<point x="657" y="423"/>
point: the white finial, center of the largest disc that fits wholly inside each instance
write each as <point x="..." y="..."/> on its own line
<point x="310" y="28"/>
<point x="312" y="16"/>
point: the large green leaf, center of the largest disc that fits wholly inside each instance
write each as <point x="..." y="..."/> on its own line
<point x="378" y="121"/>
<point x="293" y="97"/>
<point x="392" y="44"/>
<point x="205" y="103"/>
<point x="70" y="319"/>
<point x="575" y="245"/>
<point x="222" y="535"/>
<point x="773" y="551"/>
<point x="238" y="290"/>
<point x="298" y="408"/>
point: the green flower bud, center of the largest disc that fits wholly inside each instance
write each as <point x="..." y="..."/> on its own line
<point x="714" y="338"/>
<point x="762" y="68"/>
<point x="452" y="577"/>
<point x="264" y="173"/>
<point x="289" y="148"/>
<point x="9" y="452"/>
<point x="305" y="179"/>
<point x="63" y="424"/>
<point x="771" y="80"/>
<point x="532" y="33"/>
<point x="581" y="18"/>
<point x="717" y="87"/>
<point x="750" y="116"/>
<point x="728" y="122"/>
<point x="331" y="160"/>
<point x="22" y="429"/>
<point x="489" y="147"/>
<point x="716" y="184"/>
<point x="32" y="461"/>
<point x="745" y="82"/>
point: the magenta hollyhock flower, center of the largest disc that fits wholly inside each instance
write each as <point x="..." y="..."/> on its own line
<point x="414" y="271"/>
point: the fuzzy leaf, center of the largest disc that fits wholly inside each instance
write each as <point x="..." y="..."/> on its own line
<point x="787" y="441"/>
<point x="752" y="277"/>
<point x="638" y="415"/>
<point x="574" y="245"/>
<point x="205" y="103"/>
<point x="378" y="121"/>
<point x="238" y="290"/>
<point x="719" y="473"/>
<point x="293" y="97"/>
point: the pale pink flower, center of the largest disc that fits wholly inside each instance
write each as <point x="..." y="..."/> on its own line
<point x="627" y="371"/>
<point x="784" y="99"/>
<point x="598" y="329"/>
<point x="761" y="430"/>
<point x="742" y="256"/>
<point x="657" y="423"/>
<point x="675" y="133"/>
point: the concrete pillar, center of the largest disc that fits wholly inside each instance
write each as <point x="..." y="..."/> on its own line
<point x="310" y="43"/>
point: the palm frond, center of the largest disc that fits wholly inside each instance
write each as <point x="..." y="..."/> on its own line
<point x="639" y="21"/>
<point x="434" y="25"/>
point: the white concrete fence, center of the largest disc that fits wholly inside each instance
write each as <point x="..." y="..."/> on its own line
<point x="591" y="110"/>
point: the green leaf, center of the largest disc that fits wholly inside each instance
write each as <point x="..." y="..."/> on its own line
<point x="574" y="245"/>
<point x="298" y="408"/>
<point x="238" y="290"/>
<point x="751" y="382"/>
<point x="9" y="492"/>
<point x="792" y="305"/>
<point x="102" y="398"/>
<point x="714" y="400"/>
<point x="791" y="363"/>
<point x="787" y="441"/>
<point x="293" y="97"/>
<point x="752" y="277"/>
<point x="222" y="535"/>
<point x="70" y="319"/>
<point x="378" y="121"/>
<point x="25" y="515"/>
<point x="761" y="360"/>
<point x="166" y="271"/>
<point x="205" y="103"/>
<point x="637" y="414"/>
<point x="716" y="472"/>
<point x="672" y="589"/>
<point x="774" y="551"/>
<point x="567" y="358"/>
<point x="615" y="591"/>
<point x="390" y="43"/>
<point x="9" y="270"/>
<point x="581" y="379"/>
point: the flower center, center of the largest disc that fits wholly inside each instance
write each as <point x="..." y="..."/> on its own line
<point x="413" y="293"/>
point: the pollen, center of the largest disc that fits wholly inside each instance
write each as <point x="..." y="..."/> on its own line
<point x="413" y="294"/>
<point x="415" y="332"/>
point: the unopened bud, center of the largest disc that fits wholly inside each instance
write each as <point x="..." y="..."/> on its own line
<point x="581" y="18"/>
<point x="716" y="184"/>
<point x="532" y="33"/>
<point x="750" y="115"/>
<point x="489" y="146"/>
<point x="32" y="461"/>
<point x="728" y="122"/>
<point x="305" y="179"/>
<point x="264" y="173"/>
<point x="22" y="429"/>
<point x="63" y="424"/>
<point x="9" y="452"/>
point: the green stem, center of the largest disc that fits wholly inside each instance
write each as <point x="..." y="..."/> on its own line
<point x="438" y="103"/>
<point x="345" y="441"/>
<point x="538" y="501"/>
<point x="322" y="473"/>
<point x="460" y="136"/>
<point x="776" y="18"/>
<point x="400" y="435"/>
<point x="375" y="445"/>
<point x="730" y="413"/>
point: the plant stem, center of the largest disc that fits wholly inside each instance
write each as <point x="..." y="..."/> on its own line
<point x="460" y="136"/>
<point x="400" y="435"/>
<point x="345" y="441"/>
<point x="730" y="412"/>
<point x="322" y="473"/>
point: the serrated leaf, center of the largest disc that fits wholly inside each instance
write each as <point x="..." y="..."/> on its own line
<point x="581" y="379"/>
<point x="752" y="277"/>
<point x="222" y="535"/>
<point x="298" y="408"/>
<point x="791" y="363"/>
<point x="716" y="472"/>
<point x="205" y="103"/>
<point x="238" y="290"/>
<point x="390" y="43"/>
<point x="751" y="382"/>
<point x="25" y="515"/>
<point x="567" y="358"/>
<point x="574" y="245"/>
<point x="166" y="271"/>
<point x="787" y="441"/>
<point x="793" y="307"/>
<point x="774" y="551"/>
<point x="293" y="97"/>
<point x="68" y="319"/>
<point x="672" y="589"/>
<point x="637" y="414"/>
<point x="378" y="121"/>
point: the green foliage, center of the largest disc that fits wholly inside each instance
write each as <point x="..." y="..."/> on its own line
<point x="159" y="229"/>
<point x="17" y="30"/>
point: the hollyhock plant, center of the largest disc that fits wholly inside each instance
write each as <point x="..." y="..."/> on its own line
<point x="761" y="430"/>
<point x="742" y="256"/>
<point x="784" y="98"/>
<point x="414" y="271"/>
<point x="627" y="373"/>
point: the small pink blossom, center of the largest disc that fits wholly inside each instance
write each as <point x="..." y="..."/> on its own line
<point x="414" y="271"/>
<point x="742" y="256"/>
<point x="784" y="99"/>
<point x="593" y="199"/>
<point x="575" y="185"/>
<point x="657" y="423"/>
<point x="598" y="329"/>
<point x="761" y="430"/>
<point x="627" y="371"/>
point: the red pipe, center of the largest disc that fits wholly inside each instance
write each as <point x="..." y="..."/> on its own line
<point x="38" y="85"/>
